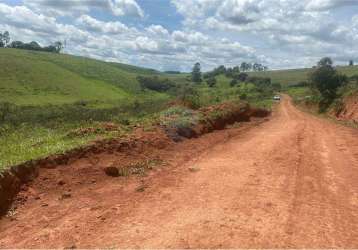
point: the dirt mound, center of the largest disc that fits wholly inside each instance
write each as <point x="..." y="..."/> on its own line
<point x="349" y="109"/>
<point x="181" y="122"/>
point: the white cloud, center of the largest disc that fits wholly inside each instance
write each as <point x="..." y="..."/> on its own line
<point x="116" y="7"/>
<point x="92" y="24"/>
<point x="320" y="5"/>
<point x="157" y="30"/>
<point x="240" y="12"/>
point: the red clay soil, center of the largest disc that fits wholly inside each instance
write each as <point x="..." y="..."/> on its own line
<point x="349" y="111"/>
<point x="291" y="182"/>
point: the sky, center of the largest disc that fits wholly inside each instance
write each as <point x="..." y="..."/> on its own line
<point x="175" y="34"/>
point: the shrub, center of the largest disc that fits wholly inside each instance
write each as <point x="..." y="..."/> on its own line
<point x="211" y="82"/>
<point x="155" y="83"/>
<point x="233" y="82"/>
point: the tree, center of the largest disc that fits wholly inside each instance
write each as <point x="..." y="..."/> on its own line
<point x="256" y="67"/>
<point x="249" y="66"/>
<point x="33" y="46"/>
<point x="244" y="67"/>
<point x="196" y="73"/>
<point x="6" y="38"/>
<point x="211" y="82"/>
<point x="327" y="80"/>
<point x="59" y="46"/>
<point x="17" y="45"/>
<point x="236" y="69"/>
<point x="351" y="63"/>
<point x="325" y="61"/>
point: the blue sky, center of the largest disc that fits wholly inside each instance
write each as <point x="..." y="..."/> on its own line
<point x="174" y="34"/>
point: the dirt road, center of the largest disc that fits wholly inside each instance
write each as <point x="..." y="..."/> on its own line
<point x="290" y="182"/>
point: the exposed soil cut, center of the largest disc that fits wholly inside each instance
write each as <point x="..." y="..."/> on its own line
<point x="349" y="109"/>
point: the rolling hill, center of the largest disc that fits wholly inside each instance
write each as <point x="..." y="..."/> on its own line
<point x="38" y="78"/>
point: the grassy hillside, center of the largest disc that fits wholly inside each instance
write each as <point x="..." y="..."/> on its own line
<point x="38" y="78"/>
<point x="285" y="77"/>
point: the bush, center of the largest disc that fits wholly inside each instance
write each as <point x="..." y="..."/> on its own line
<point x="188" y="96"/>
<point x="211" y="82"/>
<point x="233" y="82"/>
<point x="327" y="80"/>
<point x="242" y="77"/>
<point x="155" y="83"/>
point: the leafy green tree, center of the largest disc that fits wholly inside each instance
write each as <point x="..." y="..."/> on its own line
<point x="196" y="73"/>
<point x="6" y="38"/>
<point x="327" y="80"/>
<point x="236" y="69"/>
<point x="256" y="66"/>
<point x="249" y="66"/>
<point x="211" y="82"/>
<point x="244" y="67"/>
<point x="59" y="46"/>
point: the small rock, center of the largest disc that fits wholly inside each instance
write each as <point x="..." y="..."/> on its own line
<point x="44" y="205"/>
<point x="194" y="169"/>
<point x="37" y="198"/>
<point x="71" y="247"/>
<point x="112" y="171"/>
<point x="61" y="183"/>
<point x="141" y="188"/>
<point x="65" y="196"/>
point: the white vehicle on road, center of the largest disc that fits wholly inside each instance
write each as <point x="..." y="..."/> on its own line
<point x="277" y="98"/>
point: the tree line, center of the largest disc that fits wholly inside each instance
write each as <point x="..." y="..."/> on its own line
<point x="237" y="73"/>
<point x="5" y="42"/>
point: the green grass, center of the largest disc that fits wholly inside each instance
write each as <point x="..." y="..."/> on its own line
<point x="27" y="143"/>
<point x="38" y="78"/>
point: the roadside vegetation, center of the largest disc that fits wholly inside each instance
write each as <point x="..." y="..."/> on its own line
<point x="327" y="87"/>
<point x="44" y="97"/>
